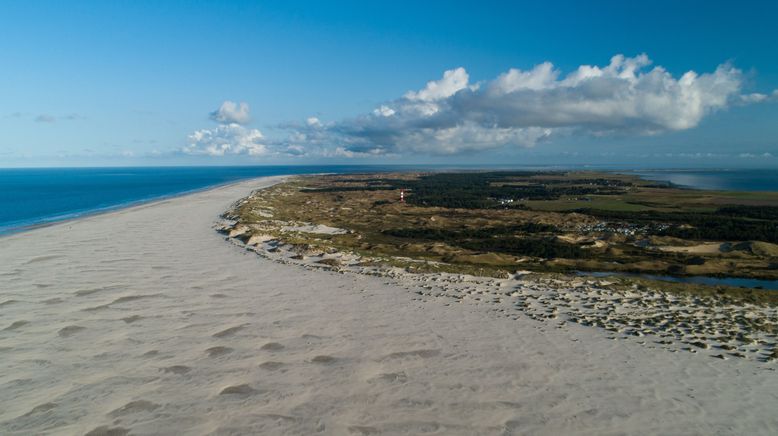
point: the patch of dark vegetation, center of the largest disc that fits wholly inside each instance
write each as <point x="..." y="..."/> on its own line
<point x="546" y="248"/>
<point x="755" y="212"/>
<point x="501" y="239"/>
<point x="497" y="189"/>
<point x="485" y="190"/>
<point x="438" y="234"/>
<point x="696" y="226"/>
<point x="349" y="188"/>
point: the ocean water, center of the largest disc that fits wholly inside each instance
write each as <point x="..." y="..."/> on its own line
<point x="718" y="180"/>
<point x="35" y="196"/>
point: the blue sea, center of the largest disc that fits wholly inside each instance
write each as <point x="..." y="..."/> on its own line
<point x="36" y="196"/>
<point x="717" y="180"/>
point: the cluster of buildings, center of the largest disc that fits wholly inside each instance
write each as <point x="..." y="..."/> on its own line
<point x="622" y="228"/>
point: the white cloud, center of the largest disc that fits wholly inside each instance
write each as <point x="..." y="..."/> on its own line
<point x="522" y="107"/>
<point x="230" y="137"/>
<point x="384" y="111"/>
<point x="226" y="139"/>
<point x="753" y="98"/>
<point x="295" y="150"/>
<point x="452" y="82"/>
<point x="541" y="77"/>
<point x="232" y="113"/>
<point x="757" y="97"/>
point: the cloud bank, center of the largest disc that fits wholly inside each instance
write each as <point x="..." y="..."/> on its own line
<point x="524" y="107"/>
<point x="518" y="108"/>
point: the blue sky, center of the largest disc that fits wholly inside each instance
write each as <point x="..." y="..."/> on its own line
<point x="159" y="83"/>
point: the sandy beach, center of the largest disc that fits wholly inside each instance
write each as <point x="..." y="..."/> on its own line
<point x="147" y="321"/>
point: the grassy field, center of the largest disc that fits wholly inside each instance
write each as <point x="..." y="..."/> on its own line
<point x="495" y="223"/>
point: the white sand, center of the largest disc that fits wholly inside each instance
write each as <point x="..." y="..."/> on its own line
<point x="147" y="320"/>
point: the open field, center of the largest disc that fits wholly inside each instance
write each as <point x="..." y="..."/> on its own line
<point x="552" y="222"/>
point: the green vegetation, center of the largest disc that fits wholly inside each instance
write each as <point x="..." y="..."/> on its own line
<point x="498" y="222"/>
<point x="494" y="190"/>
<point x="722" y="225"/>
<point x="498" y="239"/>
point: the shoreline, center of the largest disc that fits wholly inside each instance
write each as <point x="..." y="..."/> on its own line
<point x="146" y="321"/>
<point x="11" y="231"/>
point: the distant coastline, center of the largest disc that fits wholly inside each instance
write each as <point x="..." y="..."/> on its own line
<point x="748" y="180"/>
<point x="38" y="197"/>
<point x="12" y="230"/>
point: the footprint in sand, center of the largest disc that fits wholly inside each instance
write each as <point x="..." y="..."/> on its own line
<point x="424" y="354"/>
<point x="70" y="330"/>
<point x="243" y="389"/>
<point x="45" y="407"/>
<point x="96" y="308"/>
<point x="272" y="366"/>
<point x="272" y="346"/>
<point x="90" y="291"/>
<point x="128" y="298"/>
<point x="176" y="369"/>
<point x="363" y="430"/>
<point x="16" y="324"/>
<point x="8" y="302"/>
<point x="324" y="360"/>
<point x="390" y="378"/>
<point x="229" y="332"/>
<point x="414" y="404"/>
<point x="218" y="351"/>
<point x="134" y="407"/>
<point x="104" y="430"/>
<point x="131" y="319"/>
<point x="55" y="300"/>
<point x="43" y="258"/>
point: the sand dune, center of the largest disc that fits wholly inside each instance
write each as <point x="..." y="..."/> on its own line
<point x="146" y="321"/>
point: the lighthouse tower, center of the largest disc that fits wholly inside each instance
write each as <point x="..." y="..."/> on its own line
<point x="402" y="196"/>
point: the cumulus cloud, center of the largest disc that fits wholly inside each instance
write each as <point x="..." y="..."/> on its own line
<point x="452" y="82"/>
<point x="226" y="139"/>
<point x="232" y="113"/>
<point x="524" y="107"/>
<point x="230" y="137"/>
